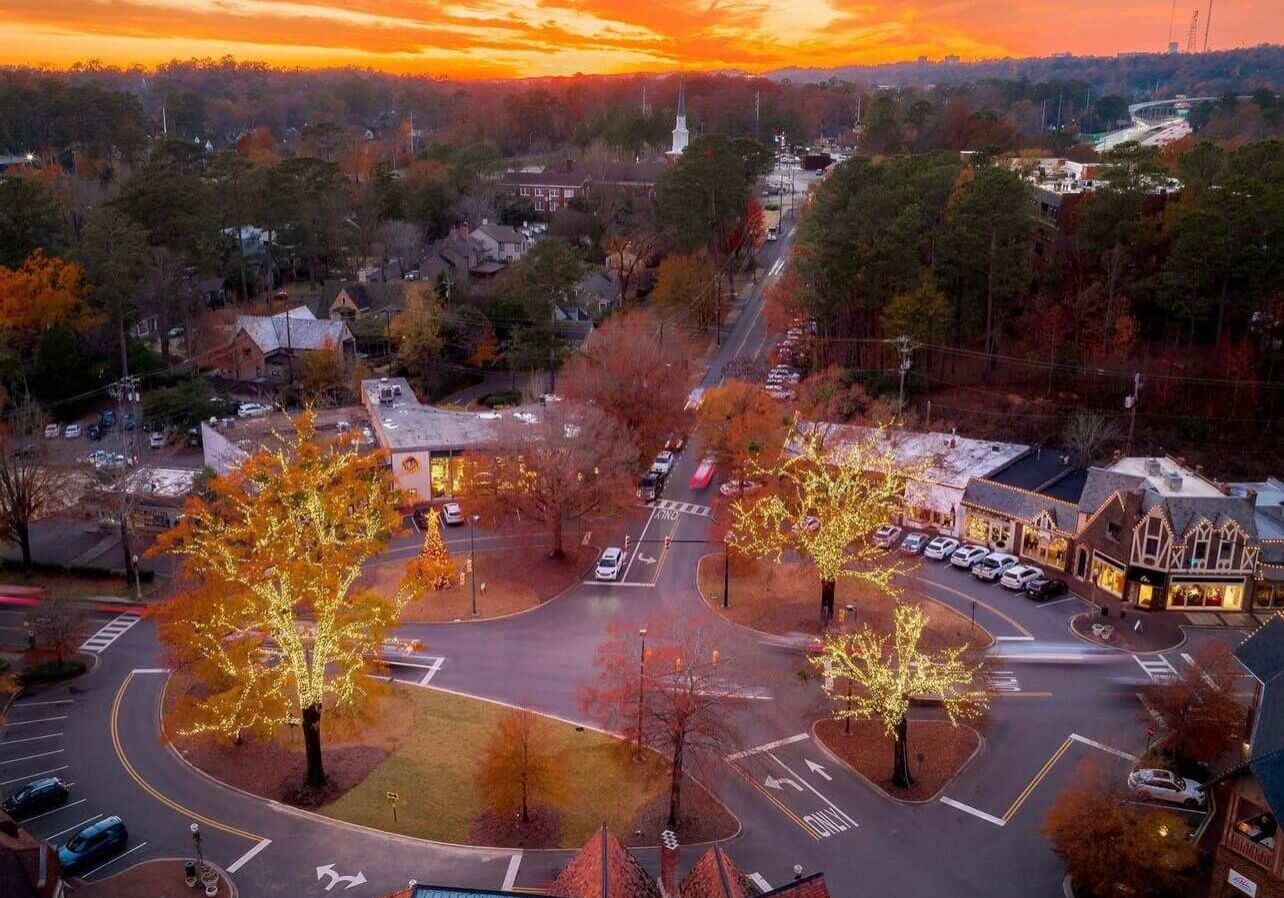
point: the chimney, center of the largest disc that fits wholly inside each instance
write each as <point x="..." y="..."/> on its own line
<point x="570" y="166"/>
<point x="669" y="864"/>
<point x="485" y="221"/>
<point x="954" y="437"/>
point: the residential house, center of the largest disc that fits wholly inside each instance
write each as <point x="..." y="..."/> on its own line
<point x="604" y="868"/>
<point x="551" y="189"/>
<point x="349" y="300"/>
<point x="454" y="259"/>
<point x="384" y="273"/>
<point x="598" y="290"/>
<point x="500" y="243"/>
<point x="933" y="500"/>
<point x="265" y="349"/>
<point x="29" y="868"/>
<point x="1161" y="536"/>
<point x="1248" y="858"/>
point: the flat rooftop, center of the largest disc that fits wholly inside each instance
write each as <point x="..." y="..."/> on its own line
<point x="953" y="460"/>
<point x="1192" y="484"/>
<point x="402" y="423"/>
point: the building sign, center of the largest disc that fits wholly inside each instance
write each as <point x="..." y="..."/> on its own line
<point x="1243" y="883"/>
<point x="1145" y="576"/>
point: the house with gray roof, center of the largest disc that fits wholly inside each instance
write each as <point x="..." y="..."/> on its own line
<point x="500" y="243"/>
<point x="267" y="349"/>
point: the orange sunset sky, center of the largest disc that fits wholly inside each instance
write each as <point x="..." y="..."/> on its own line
<point x="515" y="38"/>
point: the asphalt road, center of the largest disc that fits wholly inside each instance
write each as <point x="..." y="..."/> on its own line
<point x="101" y="733"/>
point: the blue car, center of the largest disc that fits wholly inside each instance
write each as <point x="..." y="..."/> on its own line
<point x="93" y="845"/>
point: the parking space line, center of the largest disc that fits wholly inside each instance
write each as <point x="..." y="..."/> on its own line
<point x="968" y="809"/>
<point x="510" y="876"/>
<point x="248" y="856"/>
<point x="74" y="826"/>
<point x="61" y="701"/>
<point x="33" y="776"/>
<point x="23" y="723"/>
<point x="29" y="739"/>
<point x="1106" y="748"/>
<point x="113" y="860"/>
<point x="56" y="751"/>
<point x="57" y="810"/>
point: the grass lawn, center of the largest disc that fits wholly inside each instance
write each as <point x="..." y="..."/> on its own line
<point x="784" y="598"/>
<point x="937" y="751"/>
<point x="515" y="579"/>
<point x="427" y="745"/>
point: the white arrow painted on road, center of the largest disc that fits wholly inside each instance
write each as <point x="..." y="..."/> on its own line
<point x="772" y="783"/>
<point x="335" y="878"/>
<point x="816" y="768"/>
<point x="642" y="558"/>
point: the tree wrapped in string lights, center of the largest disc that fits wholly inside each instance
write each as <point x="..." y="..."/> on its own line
<point x="874" y="676"/>
<point x="272" y="626"/>
<point x="824" y="504"/>
<point x="434" y="569"/>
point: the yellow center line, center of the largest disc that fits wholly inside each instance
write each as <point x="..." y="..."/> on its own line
<point x="987" y="606"/>
<point x="147" y="787"/>
<point x="771" y="798"/>
<point x="1038" y="778"/>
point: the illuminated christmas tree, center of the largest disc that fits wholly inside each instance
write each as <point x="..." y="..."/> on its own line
<point x="433" y="569"/>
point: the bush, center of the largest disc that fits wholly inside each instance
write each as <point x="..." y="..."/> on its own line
<point x="52" y="671"/>
<point x="504" y="398"/>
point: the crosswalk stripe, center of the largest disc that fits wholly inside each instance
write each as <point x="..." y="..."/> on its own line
<point x="110" y="632"/>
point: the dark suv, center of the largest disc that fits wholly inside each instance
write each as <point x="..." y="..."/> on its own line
<point x="37" y="795"/>
<point x="650" y="486"/>
<point x="92" y="845"/>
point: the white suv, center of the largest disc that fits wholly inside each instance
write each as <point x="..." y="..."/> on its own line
<point x="967" y="556"/>
<point x="610" y="564"/>
<point x="941" y="548"/>
<point x="1017" y="576"/>
<point x="993" y="566"/>
<point x="1165" y="785"/>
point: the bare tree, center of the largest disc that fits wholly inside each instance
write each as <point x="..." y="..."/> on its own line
<point x="520" y="766"/>
<point x="1087" y="433"/>
<point x="30" y="487"/>
<point x="57" y="625"/>
<point x="676" y="696"/>
<point x="556" y="465"/>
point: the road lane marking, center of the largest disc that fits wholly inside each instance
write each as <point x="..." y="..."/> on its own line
<point x="46" y="754"/>
<point x="432" y="671"/>
<point x="618" y="583"/>
<point x="1106" y="748"/>
<point x="1158" y="668"/>
<point x="1014" y="639"/>
<point x="32" y="777"/>
<point x="815" y="791"/>
<point x="988" y="607"/>
<point x="1038" y="778"/>
<point x="72" y="827"/>
<point x="1208" y="680"/>
<point x="110" y="632"/>
<point x="148" y="787"/>
<point x="23" y="723"/>
<point x="248" y="856"/>
<point x="113" y="860"/>
<point x="511" y="876"/>
<point x="629" y="566"/>
<point x="779" y="743"/>
<point x="684" y="507"/>
<point x="968" y="809"/>
<point x="780" y="806"/>
<point x="57" y="810"/>
<point x="150" y="670"/>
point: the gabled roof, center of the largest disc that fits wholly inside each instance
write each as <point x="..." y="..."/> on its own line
<point x="374" y="296"/>
<point x="1185" y="513"/>
<point x="1262" y="655"/>
<point x="604" y="868"/>
<point x="296" y="329"/>
<point x="715" y="876"/>
<point x="500" y="233"/>
<point x="1023" y="505"/>
<point x="1101" y="484"/>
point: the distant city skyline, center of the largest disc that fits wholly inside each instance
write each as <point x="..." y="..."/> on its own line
<point x="523" y="38"/>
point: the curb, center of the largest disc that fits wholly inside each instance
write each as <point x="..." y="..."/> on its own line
<point x="224" y="876"/>
<point x="417" y="840"/>
<point x="879" y="790"/>
<point x="1118" y="648"/>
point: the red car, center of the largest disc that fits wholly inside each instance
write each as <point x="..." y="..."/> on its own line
<point x="703" y="475"/>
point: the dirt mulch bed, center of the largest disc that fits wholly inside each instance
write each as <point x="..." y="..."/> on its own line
<point x="514" y="579"/>
<point x="1158" y="632"/>
<point x="943" y="748"/>
<point x="543" y="829"/>
<point x="155" y="879"/>
<point x="784" y="598"/>
<point x="702" y="819"/>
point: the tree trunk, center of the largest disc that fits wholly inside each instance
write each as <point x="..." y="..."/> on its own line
<point x="827" y="588"/>
<point x="24" y="542"/>
<point x="901" y="773"/>
<point x="675" y="788"/>
<point x="555" y="535"/>
<point x="312" y="744"/>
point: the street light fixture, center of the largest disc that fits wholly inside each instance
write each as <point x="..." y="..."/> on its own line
<point x="641" y="687"/>
<point x="726" y="572"/>
<point x="472" y="556"/>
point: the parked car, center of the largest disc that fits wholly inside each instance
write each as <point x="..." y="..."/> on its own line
<point x="610" y="564"/>
<point x="72" y="432"/>
<point x="452" y="515"/>
<point x="107" y="420"/>
<point x="993" y="566"/>
<point x="367" y="435"/>
<point x="194" y="437"/>
<point x="702" y="475"/>
<point x="420" y="517"/>
<point x="94" y="432"/>
<point x="650" y="485"/>
<point x="252" y="410"/>
<point x="675" y="442"/>
<point x="127" y="422"/>
<point x="887" y="535"/>
<point x="156" y="439"/>
<point x="738" y="488"/>
<point x="35" y="797"/>
<point x="95" y="843"/>
<point x="663" y="463"/>
<point x="53" y="431"/>
<point x="1164" y="785"/>
<point x="175" y="333"/>
<point x="1041" y="588"/>
<point x="967" y="556"/>
<point x="1017" y="576"/>
<point x="941" y="548"/>
<point x="914" y="543"/>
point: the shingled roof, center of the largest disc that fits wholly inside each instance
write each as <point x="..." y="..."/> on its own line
<point x="716" y="876"/>
<point x="1023" y="505"/>
<point x="1101" y="483"/>
<point x="28" y="867"/>
<point x="1262" y="655"/>
<point x="302" y="331"/>
<point x="604" y="868"/>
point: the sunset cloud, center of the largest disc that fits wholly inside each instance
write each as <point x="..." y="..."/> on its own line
<point x="516" y="38"/>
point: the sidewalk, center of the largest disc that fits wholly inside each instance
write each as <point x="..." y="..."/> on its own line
<point x="1130" y="629"/>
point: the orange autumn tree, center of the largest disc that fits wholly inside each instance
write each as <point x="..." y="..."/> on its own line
<point x="43" y="292"/>
<point x="742" y="426"/>
<point x="272" y="625"/>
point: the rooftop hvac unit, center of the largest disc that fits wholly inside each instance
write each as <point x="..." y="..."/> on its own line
<point x="1152" y="467"/>
<point x="386" y="394"/>
<point x="1174" y="481"/>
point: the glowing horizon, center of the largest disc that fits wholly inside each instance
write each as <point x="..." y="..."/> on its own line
<point x="533" y="38"/>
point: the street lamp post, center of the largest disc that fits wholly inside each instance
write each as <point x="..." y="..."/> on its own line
<point x="196" y="844"/>
<point x="472" y="556"/>
<point x="641" y="688"/>
<point x="138" y="583"/>
<point x="726" y="573"/>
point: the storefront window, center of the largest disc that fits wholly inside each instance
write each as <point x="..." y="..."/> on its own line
<point x="1108" y="575"/>
<point x="1229" y="596"/>
<point x="1045" y="547"/>
<point x="930" y="517"/>
<point x="989" y="531"/>
<point x="1268" y="595"/>
<point x="439" y="477"/>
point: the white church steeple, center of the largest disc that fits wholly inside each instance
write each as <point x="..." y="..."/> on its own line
<point x="680" y="127"/>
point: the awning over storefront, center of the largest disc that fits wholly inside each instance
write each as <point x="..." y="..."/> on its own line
<point x="1146" y="576"/>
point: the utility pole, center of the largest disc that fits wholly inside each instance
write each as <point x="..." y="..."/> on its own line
<point x="904" y="345"/>
<point x="641" y="689"/>
<point x="757" y="113"/>
<point x="1130" y="403"/>
<point x="125" y="389"/>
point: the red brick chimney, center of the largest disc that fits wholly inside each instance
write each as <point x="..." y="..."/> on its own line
<point x="570" y="166"/>
<point x="669" y="864"/>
